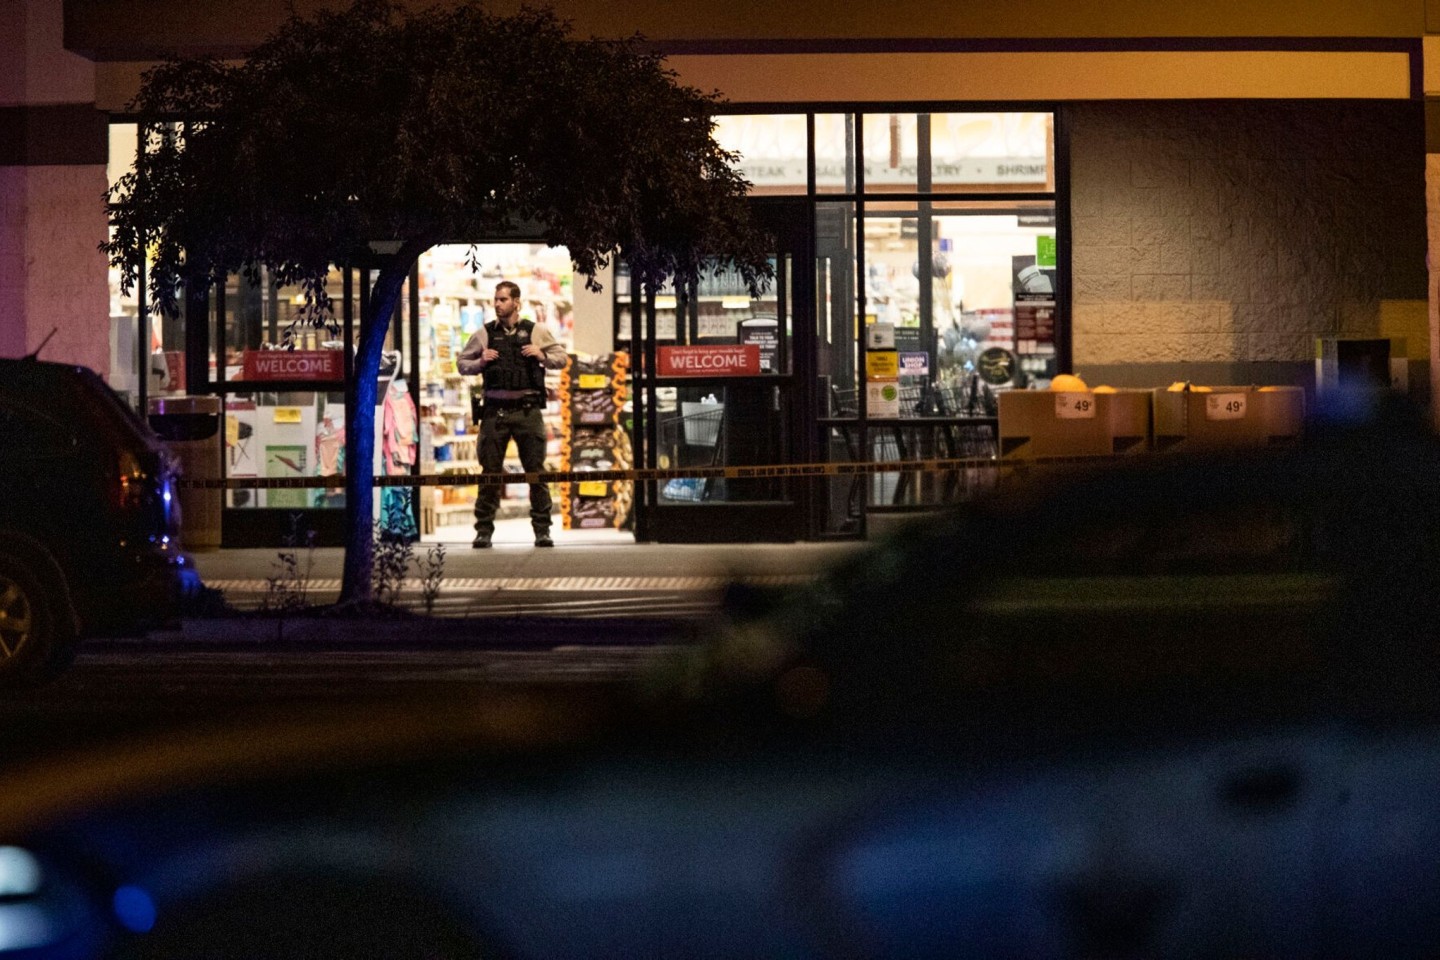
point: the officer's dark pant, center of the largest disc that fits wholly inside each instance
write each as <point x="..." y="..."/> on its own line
<point x="498" y="426"/>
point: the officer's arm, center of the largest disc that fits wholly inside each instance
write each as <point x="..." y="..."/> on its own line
<point x="554" y="350"/>
<point x="469" y="362"/>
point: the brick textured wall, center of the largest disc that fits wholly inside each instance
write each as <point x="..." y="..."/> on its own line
<point x="1240" y="231"/>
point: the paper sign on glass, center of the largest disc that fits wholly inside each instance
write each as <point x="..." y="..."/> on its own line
<point x="882" y="364"/>
<point x="880" y="336"/>
<point x="882" y="398"/>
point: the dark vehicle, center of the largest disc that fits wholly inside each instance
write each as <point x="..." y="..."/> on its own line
<point x="1185" y="709"/>
<point x="88" y="520"/>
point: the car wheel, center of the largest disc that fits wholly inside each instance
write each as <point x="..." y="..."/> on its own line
<point x="34" y="645"/>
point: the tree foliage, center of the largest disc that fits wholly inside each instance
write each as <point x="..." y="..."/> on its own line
<point x="448" y="125"/>
<point x="370" y="125"/>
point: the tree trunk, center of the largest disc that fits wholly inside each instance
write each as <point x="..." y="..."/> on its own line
<point x="360" y="435"/>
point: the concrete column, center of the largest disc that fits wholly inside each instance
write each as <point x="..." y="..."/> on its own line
<point x="52" y="184"/>
<point x="1430" y="74"/>
<point x="1432" y="260"/>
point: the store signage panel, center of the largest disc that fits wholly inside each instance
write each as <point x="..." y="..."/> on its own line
<point x="1035" y="321"/>
<point x="763" y="333"/>
<point x="1225" y="406"/>
<point x="1046" y="252"/>
<point x="784" y="171"/>
<point x="882" y="364"/>
<point x="972" y="147"/>
<point x="294" y="365"/>
<point x="996" y="366"/>
<point x="880" y="336"/>
<point x="915" y="364"/>
<point x="725" y="360"/>
<point x="882" y="398"/>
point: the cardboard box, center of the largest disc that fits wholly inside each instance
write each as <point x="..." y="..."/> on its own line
<point x="1043" y="423"/>
<point x="1227" y="417"/>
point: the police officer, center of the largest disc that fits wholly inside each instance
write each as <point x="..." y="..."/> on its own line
<point x="512" y="354"/>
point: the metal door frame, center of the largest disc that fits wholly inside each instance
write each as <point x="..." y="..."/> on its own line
<point x="790" y="220"/>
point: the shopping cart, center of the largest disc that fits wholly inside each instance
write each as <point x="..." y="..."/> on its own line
<point x="687" y="435"/>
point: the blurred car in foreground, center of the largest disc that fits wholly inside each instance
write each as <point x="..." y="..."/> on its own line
<point x="89" y="525"/>
<point x="1184" y="709"/>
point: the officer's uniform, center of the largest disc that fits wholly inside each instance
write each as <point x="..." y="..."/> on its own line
<point x="514" y="393"/>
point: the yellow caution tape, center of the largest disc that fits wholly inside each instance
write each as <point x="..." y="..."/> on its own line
<point x="771" y="471"/>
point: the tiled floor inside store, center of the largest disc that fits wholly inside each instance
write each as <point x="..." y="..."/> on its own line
<point x="516" y="532"/>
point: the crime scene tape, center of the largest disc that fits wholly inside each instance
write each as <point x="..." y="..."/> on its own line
<point x="771" y="471"/>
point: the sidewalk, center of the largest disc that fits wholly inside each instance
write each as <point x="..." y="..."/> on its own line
<point x="583" y="560"/>
<point x="512" y="595"/>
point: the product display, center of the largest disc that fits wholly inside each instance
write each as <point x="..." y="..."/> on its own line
<point x="399" y="444"/>
<point x="330" y="458"/>
<point x="447" y="445"/>
<point x="290" y="434"/>
<point x="593" y="392"/>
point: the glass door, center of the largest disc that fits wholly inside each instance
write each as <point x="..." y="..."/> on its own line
<point x="732" y="387"/>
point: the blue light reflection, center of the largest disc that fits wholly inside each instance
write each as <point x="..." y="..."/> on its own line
<point x="134" y="909"/>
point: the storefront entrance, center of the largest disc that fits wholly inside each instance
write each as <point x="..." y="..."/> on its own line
<point x="920" y="266"/>
<point x="724" y="380"/>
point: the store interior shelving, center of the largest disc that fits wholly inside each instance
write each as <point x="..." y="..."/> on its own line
<point x="455" y="300"/>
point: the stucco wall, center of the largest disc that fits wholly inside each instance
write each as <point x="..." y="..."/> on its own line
<point x="1214" y="232"/>
<point x="52" y="214"/>
<point x="51" y="274"/>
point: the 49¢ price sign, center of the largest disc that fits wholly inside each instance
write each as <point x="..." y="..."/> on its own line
<point x="1225" y="406"/>
<point x="1074" y="406"/>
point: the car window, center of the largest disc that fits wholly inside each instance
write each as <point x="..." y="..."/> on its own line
<point x="108" y="413"/>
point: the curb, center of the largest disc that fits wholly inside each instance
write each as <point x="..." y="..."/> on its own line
<point x="479" y="633"/>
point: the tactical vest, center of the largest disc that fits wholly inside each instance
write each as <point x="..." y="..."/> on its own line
<point x="511" y="370"/>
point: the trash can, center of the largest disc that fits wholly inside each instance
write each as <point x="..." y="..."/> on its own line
<point x="190" y="428"/>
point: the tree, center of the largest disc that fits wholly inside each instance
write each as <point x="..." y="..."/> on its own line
<point x="372" y="128"/>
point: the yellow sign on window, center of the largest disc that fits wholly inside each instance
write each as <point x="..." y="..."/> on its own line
<point x="882" y="364"/>
<point x="287" y="414"/>
<point x="594" y="488"/>
<point x="594" y="381"/>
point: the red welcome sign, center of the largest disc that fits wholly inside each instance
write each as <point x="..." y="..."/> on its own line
<point x="728" y="360"/>
<point x="294" y="365"/>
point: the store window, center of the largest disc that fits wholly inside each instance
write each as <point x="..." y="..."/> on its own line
<point x="124" y="308"/>
<point x="668" y="324"/>
<point x="835" y="152"/>
<point x="891" y="161"/>
<point x="990" y="151"/>
<point x="285" y="434"/>
<point x="260" y="315"/>
<point x="773" y="151"/>
<point x="156" y="343"/>
<point x="955" y="281"/>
